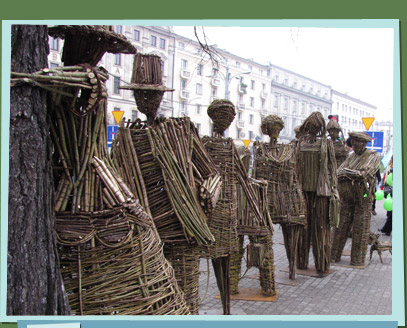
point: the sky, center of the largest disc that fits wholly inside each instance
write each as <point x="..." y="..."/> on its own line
<point x="356" y="61"/>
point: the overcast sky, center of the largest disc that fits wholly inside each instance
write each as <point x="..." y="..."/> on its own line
<point x="356" y="61"/>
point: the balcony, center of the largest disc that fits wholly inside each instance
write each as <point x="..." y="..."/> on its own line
<point x="185" y="74"/>
<point x="242" y="88"/>
<point x="215" y="82"/>
<point x="264" y="95"/>
<point x="240" y="124"/>
<point x="184" y="94"/>
<point x="264" y="111"/>
<point x="214" y="98"/>
<point x="241" y="105"/>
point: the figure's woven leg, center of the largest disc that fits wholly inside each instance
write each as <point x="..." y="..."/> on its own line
<point x="321" y="235"/>
<point x="304" y="239"/>
<point x="235" y="267"/>
<point x="360" y="236"/>
<point x="221" y="267"/>
<point x="291" y="233"/>
<point x="267" y="278"/>
<point x="341" y="233"/>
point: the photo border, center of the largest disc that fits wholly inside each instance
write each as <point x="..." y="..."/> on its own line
<point x="234" y="320"/>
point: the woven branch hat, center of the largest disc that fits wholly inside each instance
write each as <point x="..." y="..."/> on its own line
<point x="361" y="136"/>
<point x="315" y="119"/>
<point x="333" y="124"/>
<point x="271" y="121"/>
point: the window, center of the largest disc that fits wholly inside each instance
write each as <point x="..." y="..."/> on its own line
<point x="214" y="91"/>
<point x="116" y="85"/>
<point x="261" y="71"/>
<point x="119" y="29"/>
<point x="237" y="64"/>
<point x="285" y="103"/>
<point x="136" y="35"/>
<point x="184" y="64"/>
<point x="295" y="85"/>
<point x="199" y="69"/>
<point x="214" y="72"/>
<point x="276" y="101"/>
<point x="285" y="81"/>
<point x="251" y="102"/>
<point x="268" y="73"/>
<point x="294" y="105"/>
<point x="251" y="135"/>
<point x="117" y="59"/>
<point x="198" y="109"/>
<point x="162" y="66"/>
<point x="183" y="107"/>
<point x="263" y="87"/>
<point x="276" y="78"/>
<point x="302" y="108"/>
<point x="162" y="43"/>
<point x="250" y="67"/>
<point x="181" y="45"/>
<point x="252" y="84"/>
<point x="251" y="119"/>
<point x="134" y="115"/>
<point x="239" y="115"/>
<point x="54" y="44"/>
<point x="198" y="89"/>
<point x="183" y="84"/>
<point x="198" y="127"/>
<point x="263" y="103"/>
<point x="153" y="41"/>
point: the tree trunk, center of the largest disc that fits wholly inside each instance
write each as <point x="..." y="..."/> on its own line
<point x="34" y="284"/>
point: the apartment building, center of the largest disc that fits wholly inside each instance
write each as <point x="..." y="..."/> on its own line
<point x="295" y="96"/>
<point x="350" y="111"/>
<point x="256" y="89"/>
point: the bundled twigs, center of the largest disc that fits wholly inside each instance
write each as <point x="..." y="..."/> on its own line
<point x="79" y="39"/>
<point x="96" y="247"/>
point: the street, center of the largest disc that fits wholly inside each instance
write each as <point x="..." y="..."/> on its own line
<point x="346" y="291"/>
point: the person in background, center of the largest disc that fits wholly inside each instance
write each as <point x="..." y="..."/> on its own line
<point x="378" y="179"/>
<point x="388" y="190"/>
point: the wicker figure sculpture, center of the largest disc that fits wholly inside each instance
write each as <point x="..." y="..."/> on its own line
<point x="164" y="161"/>
<point x="223" y="219"/>
<point x="317" y="172"/>
<point x="276" y="163"/>
<point x="341" y="153"/>
<point x="356" y="184"/>
<point x="111" y="255"/>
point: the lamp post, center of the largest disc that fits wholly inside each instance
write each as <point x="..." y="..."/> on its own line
<point x="229" y="79"/>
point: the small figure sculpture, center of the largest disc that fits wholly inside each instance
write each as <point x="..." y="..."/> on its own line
<point x="223" y="219"/>
<point x="341" y="152"/>
<point x="275" y="163"/>
<point x="317" y="169"/>
<point x="356" y="178"/>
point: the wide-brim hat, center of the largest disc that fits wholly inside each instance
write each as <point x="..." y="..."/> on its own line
<point x="362" y="136"/>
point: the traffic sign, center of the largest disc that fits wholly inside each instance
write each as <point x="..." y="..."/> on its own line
<point x="111" y="133"/>
<point x="246" y="142"/>
<point x="377" y="141"/>
<point x="368" y="121"/>
<point x="118" y="114"/>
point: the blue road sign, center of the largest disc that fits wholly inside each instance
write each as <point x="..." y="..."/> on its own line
<point x="377" y="140"/>
<point x="111" y="133"/>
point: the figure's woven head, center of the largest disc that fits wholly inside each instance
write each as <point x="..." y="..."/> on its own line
<point x="314" y="124"/>
<point x="272" y="126"/>
<point x="222" y="112"/>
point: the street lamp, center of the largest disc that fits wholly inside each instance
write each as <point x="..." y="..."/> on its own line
<point x="229" y="79"/>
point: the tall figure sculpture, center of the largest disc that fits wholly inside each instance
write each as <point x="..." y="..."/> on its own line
<point x="356" y="178"/>
<point x="223" y="219"/>
<point x="317" y="167"/>
<point x="165" y="162"/>
<point x="341" y="152"/>
<point x="276" y="163"/>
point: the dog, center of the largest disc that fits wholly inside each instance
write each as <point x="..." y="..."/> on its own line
<point x="377" y="245"/>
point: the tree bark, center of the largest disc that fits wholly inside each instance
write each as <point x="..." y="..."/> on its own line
<point x="34" y="284"/>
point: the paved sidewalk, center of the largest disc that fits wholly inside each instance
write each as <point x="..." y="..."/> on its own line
<point x="346" y="291"/>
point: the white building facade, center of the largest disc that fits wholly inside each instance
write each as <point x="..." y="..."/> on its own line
<point x="255" y="89"/>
